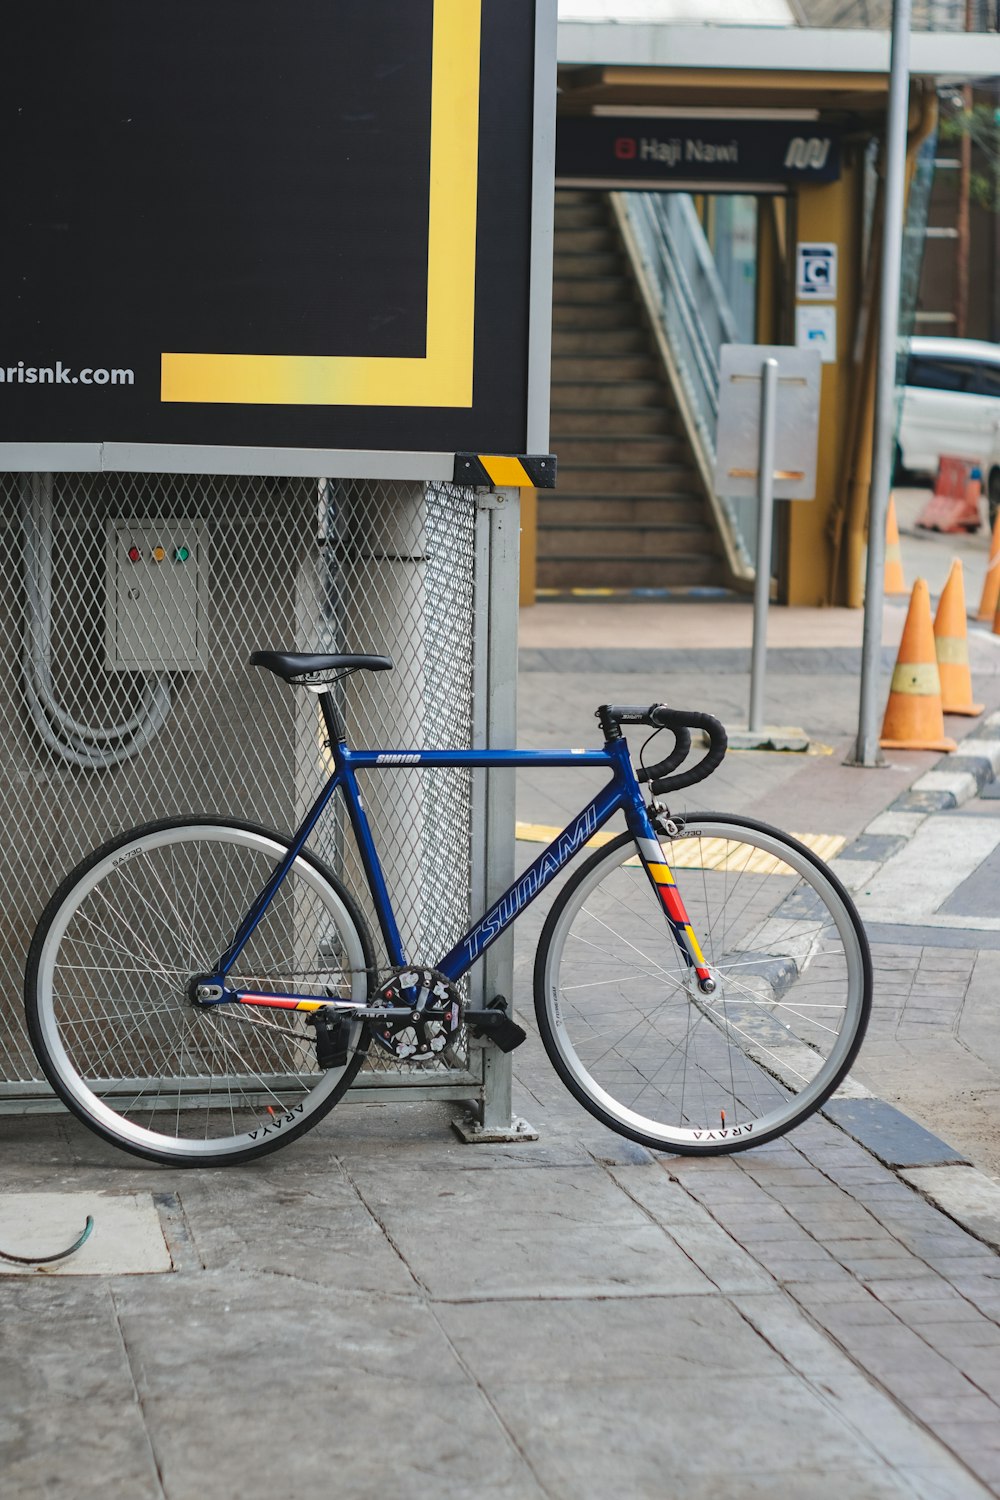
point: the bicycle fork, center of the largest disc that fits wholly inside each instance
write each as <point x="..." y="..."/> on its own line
<point x="654" y="862"/>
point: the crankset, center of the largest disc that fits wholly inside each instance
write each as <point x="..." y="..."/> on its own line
<point x="432" y="1019"/>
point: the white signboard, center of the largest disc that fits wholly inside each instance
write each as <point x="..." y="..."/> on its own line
<point x="816" y="271"/>
<point x="796" y="421"/>
<point x="816" y="328"/>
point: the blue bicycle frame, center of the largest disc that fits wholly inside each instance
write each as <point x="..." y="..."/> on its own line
<point x="621" y="793"/>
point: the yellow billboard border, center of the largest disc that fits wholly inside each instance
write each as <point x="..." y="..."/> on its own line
<point x="444" y="376"/>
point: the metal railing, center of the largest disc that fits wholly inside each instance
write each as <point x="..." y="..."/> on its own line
<point x="696" y="319"/>
<point x="876" y="15"/>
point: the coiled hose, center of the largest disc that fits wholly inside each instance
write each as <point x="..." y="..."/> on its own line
<point x="92" y="746"/>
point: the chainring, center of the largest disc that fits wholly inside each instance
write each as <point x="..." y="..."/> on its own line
<point x="434" y="1022"/>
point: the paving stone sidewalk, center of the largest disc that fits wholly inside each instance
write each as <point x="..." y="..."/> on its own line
<point x="381" y="1310"/>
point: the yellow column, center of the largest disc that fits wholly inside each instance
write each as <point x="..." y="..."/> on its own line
<point x="830" y="213"/>
<point x="771" y="238"/>
<point x="529" y="546"/>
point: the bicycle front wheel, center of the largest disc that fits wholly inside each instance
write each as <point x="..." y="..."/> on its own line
<point x="107" y="1004"/>
<point x="652" y="1056"/>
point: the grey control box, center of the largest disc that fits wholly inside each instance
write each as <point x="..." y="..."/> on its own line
<point x="156" y="595"/>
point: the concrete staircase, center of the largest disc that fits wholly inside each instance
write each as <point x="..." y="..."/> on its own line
<point x="628" y="511"/>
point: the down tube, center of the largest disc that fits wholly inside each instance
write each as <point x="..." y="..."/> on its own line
<point x="534" y="880"/>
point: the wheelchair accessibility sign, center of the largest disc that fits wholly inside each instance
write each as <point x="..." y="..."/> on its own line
<point x="816" y="272"/>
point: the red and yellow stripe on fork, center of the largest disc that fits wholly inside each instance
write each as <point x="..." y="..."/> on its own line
<point x="658" y="870"/>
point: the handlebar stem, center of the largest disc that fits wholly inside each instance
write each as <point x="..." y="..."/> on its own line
<point x="610" y="727"/>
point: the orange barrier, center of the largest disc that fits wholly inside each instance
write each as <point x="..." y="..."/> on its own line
<point x="914" y="719"/>
<point x="894" y="583"/>
<point x="991" y="583"/>
<point x="951" y="644"/>
<point x="954" y="505"/>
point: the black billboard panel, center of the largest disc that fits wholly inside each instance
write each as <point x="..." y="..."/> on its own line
<point x="244" y="224"/>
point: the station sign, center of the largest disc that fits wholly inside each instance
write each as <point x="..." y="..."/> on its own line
<point x="654" y="152"/>
<point x="816" y="271"/>
<point x="248" y="226"/>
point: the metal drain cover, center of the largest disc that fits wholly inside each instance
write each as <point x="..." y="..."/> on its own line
<point x="126" y="1240"/>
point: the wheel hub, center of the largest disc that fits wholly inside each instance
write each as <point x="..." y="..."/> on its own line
<point x="203" y="991"/>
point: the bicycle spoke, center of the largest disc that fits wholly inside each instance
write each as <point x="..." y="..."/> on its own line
<point x="126" y="1047"/>
<point x="652" y="1053"/>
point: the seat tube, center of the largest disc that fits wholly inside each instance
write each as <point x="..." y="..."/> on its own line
<point x="371" y="863"/>
<point x="335" y="729"/>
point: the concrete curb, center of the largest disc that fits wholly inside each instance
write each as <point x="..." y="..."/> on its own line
<point x="957" y="778"/>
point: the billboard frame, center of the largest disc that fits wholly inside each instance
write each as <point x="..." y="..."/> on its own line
<point x="110" y="456"/>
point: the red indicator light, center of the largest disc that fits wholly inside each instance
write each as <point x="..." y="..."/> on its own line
<point x="134" y="554"/>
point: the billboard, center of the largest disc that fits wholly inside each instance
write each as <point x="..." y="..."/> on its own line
<point x="242" y="226"/>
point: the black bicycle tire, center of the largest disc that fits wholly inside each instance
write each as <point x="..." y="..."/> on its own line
<point x="723" y="1148"/>
<point x="35" y="1031"/>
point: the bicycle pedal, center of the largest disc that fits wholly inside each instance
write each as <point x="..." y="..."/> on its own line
<point x="332" y="1035"/>
<point x="495" y="1024"/>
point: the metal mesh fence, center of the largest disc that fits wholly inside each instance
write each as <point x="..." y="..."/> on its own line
<point x="129" y="607"/>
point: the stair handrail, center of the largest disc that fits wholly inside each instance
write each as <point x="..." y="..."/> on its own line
<point x="666" y="268"/>
<point x="667" y="245"/>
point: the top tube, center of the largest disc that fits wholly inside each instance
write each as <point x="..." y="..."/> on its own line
<point x="364" y="760"/>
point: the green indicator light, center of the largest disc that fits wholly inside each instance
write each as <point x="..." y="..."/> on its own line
<point x="181" y="554"/>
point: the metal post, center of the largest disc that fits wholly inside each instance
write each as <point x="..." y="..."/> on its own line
<point x="497" y="1121"/>
<point x="867" y="751"/>
<point x="765" y="520"/>
<point x="498" y="962"/>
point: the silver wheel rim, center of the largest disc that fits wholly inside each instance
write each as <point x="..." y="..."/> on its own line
<point x="764" y="1047"/>
<point x="279" y="1105"/>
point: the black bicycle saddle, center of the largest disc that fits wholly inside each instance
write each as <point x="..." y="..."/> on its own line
<point x="293" y="664"/>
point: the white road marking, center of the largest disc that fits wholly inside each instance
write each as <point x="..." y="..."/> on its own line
<point x="910" y="887"/>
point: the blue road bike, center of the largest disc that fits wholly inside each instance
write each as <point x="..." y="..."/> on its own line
<point x="200" y="991"/>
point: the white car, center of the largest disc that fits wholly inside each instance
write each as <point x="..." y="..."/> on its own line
<point x="951" y="402"/>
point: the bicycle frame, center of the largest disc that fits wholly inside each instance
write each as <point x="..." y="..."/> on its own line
<point x="620" y="793"/>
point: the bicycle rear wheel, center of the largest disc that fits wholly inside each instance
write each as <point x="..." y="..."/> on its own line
<point x="110" y="1018"/>
<point x="635" y="1039"/>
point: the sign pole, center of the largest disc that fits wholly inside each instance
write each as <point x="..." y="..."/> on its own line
<point x="765" y="519"/>
<point x="866" y="751"/>
<point x="765" y="451"/>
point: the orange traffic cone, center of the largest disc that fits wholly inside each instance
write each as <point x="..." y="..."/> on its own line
<point x="913" y="717"/>
<point x="894" y="583"/>
<point x="951" y="643"/>
<point x="991" y="583"/>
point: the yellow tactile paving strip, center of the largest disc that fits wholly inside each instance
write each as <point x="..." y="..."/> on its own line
<point x="705" y="854"/>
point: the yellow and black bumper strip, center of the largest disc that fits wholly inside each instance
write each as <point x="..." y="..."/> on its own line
<point x="532" y="471"/>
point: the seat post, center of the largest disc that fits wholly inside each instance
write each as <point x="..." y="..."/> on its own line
<point x="332" y="718"/>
